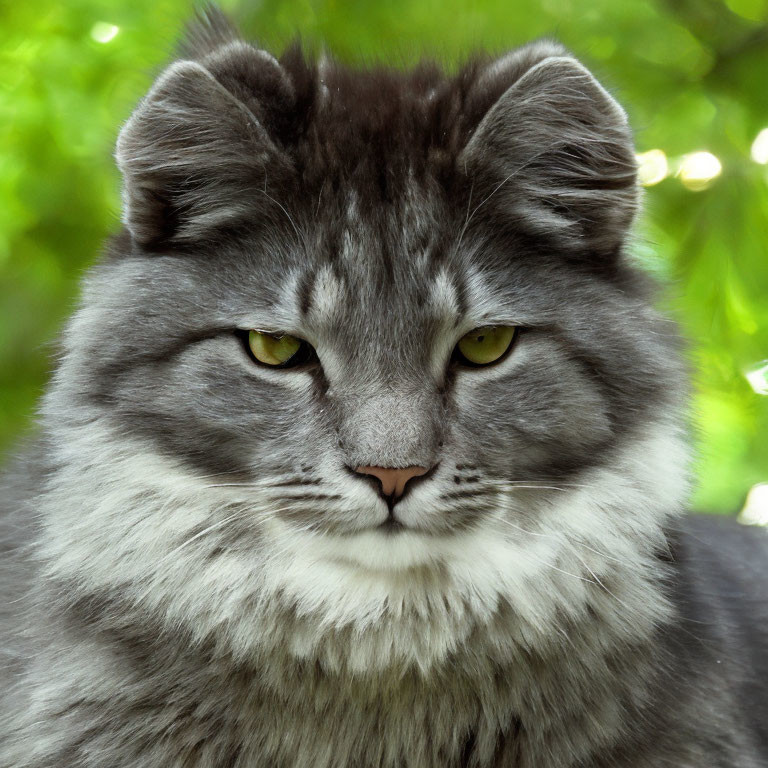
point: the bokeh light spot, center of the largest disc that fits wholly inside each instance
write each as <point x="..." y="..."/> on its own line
<point x="753" y="10"/>
<point x="102" y="32"/>
<point x="757" y="376"/>
<point x="652" y="167"/>
<point x="698" y="170"/>
<point x="755" y="511"/>
<point x="760" y="147"/>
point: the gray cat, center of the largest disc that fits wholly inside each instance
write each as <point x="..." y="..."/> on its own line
<point x="365" y="446"/>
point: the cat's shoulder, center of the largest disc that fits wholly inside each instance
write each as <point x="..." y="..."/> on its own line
<point x="720" y="591"/>
<point x="721" y="548"/>
<point x="722" y="567"/>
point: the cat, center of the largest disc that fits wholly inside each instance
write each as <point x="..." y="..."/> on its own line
<point x="367" y="449"/>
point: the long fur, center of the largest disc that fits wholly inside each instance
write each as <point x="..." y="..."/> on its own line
<point x="196" y="575"/>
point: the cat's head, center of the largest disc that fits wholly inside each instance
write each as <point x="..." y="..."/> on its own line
<point x="382" y="313"/>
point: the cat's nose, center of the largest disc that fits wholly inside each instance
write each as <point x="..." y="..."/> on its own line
<point x="392" y="480"/>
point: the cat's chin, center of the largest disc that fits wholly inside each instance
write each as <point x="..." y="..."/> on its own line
<point x="390" y="547"/>
<point x="391" y="526"/>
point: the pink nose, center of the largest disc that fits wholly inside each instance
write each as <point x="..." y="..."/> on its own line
<point x="392" y="480"/>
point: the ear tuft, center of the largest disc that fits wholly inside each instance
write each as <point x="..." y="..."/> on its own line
<point x="209" y="30"/>
<point x="555" y="153"/>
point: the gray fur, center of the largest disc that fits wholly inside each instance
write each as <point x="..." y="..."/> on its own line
<point x="194" y="575"/>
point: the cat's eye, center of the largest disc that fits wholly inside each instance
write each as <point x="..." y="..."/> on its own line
<point x="278" y="350"/>
<point x="485" y="345"/>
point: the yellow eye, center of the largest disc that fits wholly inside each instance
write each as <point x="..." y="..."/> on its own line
<point x="484" y="346"/>
<point x="273" y="350"/>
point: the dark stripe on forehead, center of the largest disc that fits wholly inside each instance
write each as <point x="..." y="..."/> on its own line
<point x="423" y="240"/>
<point x="334" y="244"/>
<point x="436" y="248"/>
<point x="304" y="292"/>
<point x="460" y="289"/>
<point x="388" y="259"/>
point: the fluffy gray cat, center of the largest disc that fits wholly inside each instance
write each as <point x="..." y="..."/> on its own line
<point x="365" y="450"/>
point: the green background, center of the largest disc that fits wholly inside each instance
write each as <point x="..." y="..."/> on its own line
<point x="692" y="74"/>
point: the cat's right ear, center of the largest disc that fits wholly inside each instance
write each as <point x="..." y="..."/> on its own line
<point x="196" y="149"/>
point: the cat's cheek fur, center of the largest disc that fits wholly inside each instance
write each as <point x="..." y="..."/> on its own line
<point x="167" y="559"/>
<point x="573" y="539"/>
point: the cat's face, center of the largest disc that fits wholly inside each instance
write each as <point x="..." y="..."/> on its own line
<point x="379" y="218"/>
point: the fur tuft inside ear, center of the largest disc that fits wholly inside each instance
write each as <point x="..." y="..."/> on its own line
<point x="554" y="152"/>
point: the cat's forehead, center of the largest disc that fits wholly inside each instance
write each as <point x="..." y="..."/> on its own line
<point x="405" y="233"/>
<point x="379" y="256"/>
<point x="398" y="255"/>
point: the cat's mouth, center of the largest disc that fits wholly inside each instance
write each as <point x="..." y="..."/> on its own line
<point x="392" y="525"/>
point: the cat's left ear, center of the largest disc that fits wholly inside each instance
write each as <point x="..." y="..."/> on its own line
<point x="554" y="152"/>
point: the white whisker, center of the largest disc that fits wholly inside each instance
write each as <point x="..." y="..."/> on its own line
<point x="528" y="553"/>
<point x="572" y="544"/>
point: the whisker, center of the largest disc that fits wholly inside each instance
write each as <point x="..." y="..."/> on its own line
<point x="594" y="575"/>
<point x="214" y="526"/>
<point x="311" y="497"/>
<point x="564" y="539"/>
<point x="468" y="493"/>
<point x="523" y="530"/>
<point x="538" y="482"/>
<point x="301" y="238"/>
<point x="532" y="487"/>
<point x="598" y="552"/>
<point x="239" y="512"/>
<point x="219" y="474"/>
<point x="544" y="562"/>
<point x="559" y="570"/>
<point x="270" y="483"/>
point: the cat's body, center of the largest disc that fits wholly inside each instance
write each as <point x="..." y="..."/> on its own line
<point x="116" y="692"/>
<point x="198" y="573"/>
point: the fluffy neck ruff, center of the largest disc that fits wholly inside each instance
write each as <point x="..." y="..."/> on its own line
<point x="547" y="616"/>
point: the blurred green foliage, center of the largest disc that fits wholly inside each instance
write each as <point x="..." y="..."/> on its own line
<point x="691" y="72"/>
